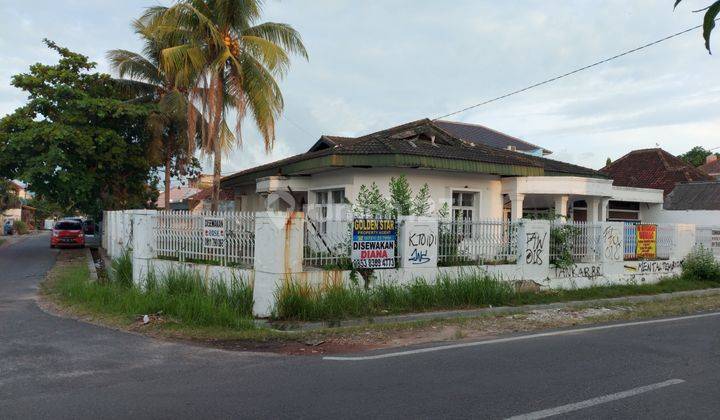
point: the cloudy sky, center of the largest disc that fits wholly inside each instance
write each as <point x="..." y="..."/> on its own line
<point x="378" y="63"/>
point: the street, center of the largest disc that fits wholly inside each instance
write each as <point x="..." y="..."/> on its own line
<point x="53" y="367"/>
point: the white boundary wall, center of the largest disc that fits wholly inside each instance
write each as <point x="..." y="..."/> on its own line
<point x="279" y="256"/>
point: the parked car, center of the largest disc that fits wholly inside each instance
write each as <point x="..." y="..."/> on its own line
<point x="67" y="233"/>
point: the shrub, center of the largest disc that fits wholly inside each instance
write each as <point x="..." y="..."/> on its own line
<point x="20" y="227"/>
<point x="700" y="264"/>
<point x="121" y="269"/>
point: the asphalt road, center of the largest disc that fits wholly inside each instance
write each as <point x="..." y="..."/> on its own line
<point x="59" y="368"/>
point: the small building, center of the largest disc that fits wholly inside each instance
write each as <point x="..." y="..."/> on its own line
<point x="711" y="166"/>
<point x="476" y="180"/>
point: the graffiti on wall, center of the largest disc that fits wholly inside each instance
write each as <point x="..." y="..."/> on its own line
<point x="534" y="248"/>
<point x="613" y="246"/>
<point x="588" y="271"/>
<point x="422" y="245"/>
<point x="655" y="267"/>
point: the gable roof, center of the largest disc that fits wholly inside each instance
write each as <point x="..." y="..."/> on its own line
<point x="694" y="196"/>
<point x="476" y="133"/>
<point x="418" y="144"/>
<point x="711" y="167"/>
<point x="652" y="168"/>
<point x="177" y="195"/>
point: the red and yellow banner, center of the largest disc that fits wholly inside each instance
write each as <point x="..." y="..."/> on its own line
<point x="646" y="242"/>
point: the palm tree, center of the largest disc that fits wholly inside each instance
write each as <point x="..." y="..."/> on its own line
<point x="236" y="61"/>
<point x="151" y="82"/>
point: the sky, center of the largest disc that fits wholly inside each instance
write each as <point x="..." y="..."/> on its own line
<point x="379" y="63"/>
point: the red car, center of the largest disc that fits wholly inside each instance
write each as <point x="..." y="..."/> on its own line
<point x="67" y="233"/>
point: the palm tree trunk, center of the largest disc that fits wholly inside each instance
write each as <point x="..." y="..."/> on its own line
<point x="215" y="133"/>
<point x="168" y="161"/>
<point x="216" y="176"/>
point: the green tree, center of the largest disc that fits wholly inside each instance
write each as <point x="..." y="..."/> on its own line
<point x="421" y="203"/>
<point x="168" y="121"/>
<point x="80" y="141"/>
<point x="608" y="162"/>
<point x="695" y="156"/>
<point x="371" y="202"/>
<point x="711" y="13"/>
<point x="237" y="61"/>
<point x="400" y="196"/>
<point x="8" y="196"/>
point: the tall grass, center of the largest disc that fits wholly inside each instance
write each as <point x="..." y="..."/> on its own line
<point x="121" y="269"/>
<point x="299" y="301"/>
<point x="179" y="295"/>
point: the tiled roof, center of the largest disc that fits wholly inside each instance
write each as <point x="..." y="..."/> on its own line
<point x="652" y="168"/>
<point x="206" y="194"/>
<point x="694" y="196"/>
<point x="711" y="168"/>
<point x="477" y="133"/>
<point x="421" y="138"/>
<point x="177" y="195"/>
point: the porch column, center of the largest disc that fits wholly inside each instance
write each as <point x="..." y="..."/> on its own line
<point x="516" y="205"/>
<point x="604" y="209"/>
<point x="593" y="207"/>
<point x="561" y="203"/>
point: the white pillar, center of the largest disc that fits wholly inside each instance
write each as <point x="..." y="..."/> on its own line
<point x="278" y="255"/>
<point x="516" y="205"/>
<point x="593" y="209"/>
<point x="604" y="209"/>
<point x="143" y="244"/>
<point x="561" y="203"/>
<point x="418" y="242"/>
<point x="534" y="249"/>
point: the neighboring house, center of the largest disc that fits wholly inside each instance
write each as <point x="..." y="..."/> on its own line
<point x="181" y="195"/>
<point x="652" y="168"/>
<point x="477" y="181"/>
<point x="476" y="133"/>
<point x="695" y="202"/>
<point x="20" y="211"/>
<point x="201" y="201"/>
<point x="711" y="166"/>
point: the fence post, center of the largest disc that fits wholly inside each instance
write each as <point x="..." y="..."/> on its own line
<point x="534" y="249"/>
<point x="278" y="254"/>
<point x="142" y="242"/>
<point x="611" y="243"/>
<point x="418" y="242"/>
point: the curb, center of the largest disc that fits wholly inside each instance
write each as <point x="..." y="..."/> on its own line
<point x="91" y="265"/>
<point x="475" y="313"/>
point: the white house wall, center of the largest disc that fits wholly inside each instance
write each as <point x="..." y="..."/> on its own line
<point x="657" y="214"/>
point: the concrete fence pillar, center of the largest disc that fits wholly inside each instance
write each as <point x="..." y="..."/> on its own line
<point x="534" y="249"/>
<point x="611" y="242"/>
<point x="685" y="238"/>
<point x="418" y="242"/>
<point x="278" y="254"/>
<point x="142" y="242"/>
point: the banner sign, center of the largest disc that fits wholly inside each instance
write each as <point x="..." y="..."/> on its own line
<point x="646" y="242"/>
<point x="214" y="232"/>
<point x="373" y="243"/>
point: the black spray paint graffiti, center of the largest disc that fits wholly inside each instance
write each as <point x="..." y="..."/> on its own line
<point x="419" y="243"/>
<point x="534" y="247"/>
<point x="613" y="246"/>
<point x="589" y="271"/>
<point x="662" y="267"/>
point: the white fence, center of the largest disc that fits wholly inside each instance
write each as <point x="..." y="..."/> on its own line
<point x="575" y="241"/>
<point x="709" y="237"/>
<point x="477" y="242"/>
<point x="327" y="241"/>
<point x="181" y="236"/>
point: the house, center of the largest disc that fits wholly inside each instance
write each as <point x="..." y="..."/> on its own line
<point x="653" y="168"/>
<point x="711" y="166"/>
<point x="20" y="210"/>
<point x="181" y="195"/>
<point x="476" y="180"/>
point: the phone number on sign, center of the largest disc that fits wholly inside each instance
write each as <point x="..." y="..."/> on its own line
<point x="375" y="263"/>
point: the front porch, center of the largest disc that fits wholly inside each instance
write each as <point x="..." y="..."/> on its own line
<point x="575" y="198"/>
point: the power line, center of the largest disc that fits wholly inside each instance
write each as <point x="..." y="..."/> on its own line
<point x="544" y="82"/>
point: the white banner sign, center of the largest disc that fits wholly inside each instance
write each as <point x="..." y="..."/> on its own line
<point x="214" y="232"/>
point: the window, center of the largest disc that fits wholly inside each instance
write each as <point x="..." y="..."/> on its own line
<point x="463" y="204"/>
<point x="623" y="211"/>
<point x="325" y="200"/>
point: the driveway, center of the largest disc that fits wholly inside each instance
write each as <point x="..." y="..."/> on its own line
<point x="53" y="367"/>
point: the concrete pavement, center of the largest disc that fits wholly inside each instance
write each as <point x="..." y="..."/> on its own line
<point x="61" y="368"/>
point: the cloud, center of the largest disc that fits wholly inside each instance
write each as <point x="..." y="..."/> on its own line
<point x="376" y="64"/>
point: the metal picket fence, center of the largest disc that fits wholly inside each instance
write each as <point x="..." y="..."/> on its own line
<point x="180" y="235"/>
<point x="575" y="242"/>
<point x="630" y="241"/>
<point x="327" y="241"/>
<point x="472" y="242"/>
<point x="666" y="239"/>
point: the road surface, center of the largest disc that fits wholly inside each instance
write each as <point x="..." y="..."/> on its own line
<point x="52" y="367"/>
